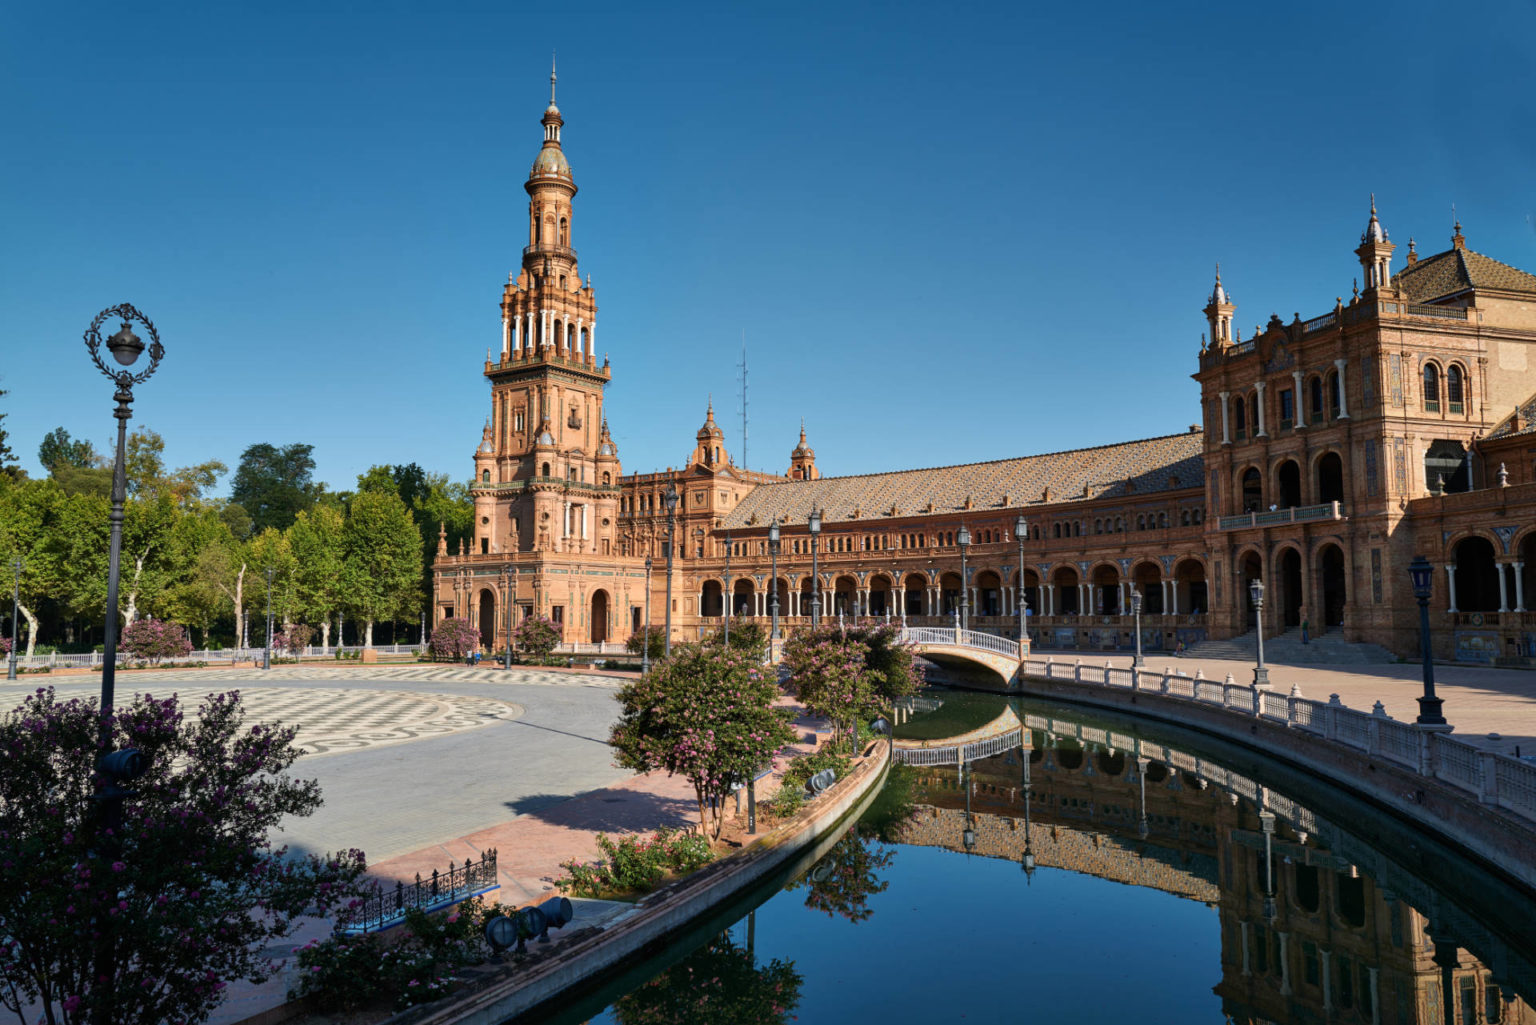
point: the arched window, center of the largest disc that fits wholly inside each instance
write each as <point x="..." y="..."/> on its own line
<point x="1098" y="526"/>
<point x="1315" y="390"/>
<point x="1077" y="528"/>
<point x="1431" y="388"/>
<point x="1333" y="393"/>
<point x="485" y="476"/>
<point x="545" y="471"/>
<point x="565" y="232"/>
<point x="1252" y="490"/>
<point x="1184" y="518"/>
<point x="1057" y="529"/>
<point x="1162" y="519"/>
<point x="1240" y="420"/>
<point x="1141" y="521"/>
<point x="606" y="477"/>
<point x="1453" y="388"/>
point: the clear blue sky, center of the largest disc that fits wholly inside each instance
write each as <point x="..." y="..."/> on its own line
<point x="950" y="232"/>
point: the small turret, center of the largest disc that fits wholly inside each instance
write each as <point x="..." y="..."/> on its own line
<point x="710" y="450"/>
<point x="1218" y="313"/>
<point x="802" y="461"/>
<point x="1375" y="252"/>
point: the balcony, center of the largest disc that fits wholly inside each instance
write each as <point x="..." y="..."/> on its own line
<point x="549" y="249"/>
<point x="1277" y="517"/>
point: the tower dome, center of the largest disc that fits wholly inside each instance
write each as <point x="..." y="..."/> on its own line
<point x="1373" y="232"/>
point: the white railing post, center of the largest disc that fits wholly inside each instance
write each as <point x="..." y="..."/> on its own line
<point x="1331" y="717"/>
<point x="1373" y="729"/>
<point x="1488" y="793"/>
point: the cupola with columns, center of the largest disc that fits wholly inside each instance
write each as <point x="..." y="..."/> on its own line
<point x="802" y="461"/>
<point x="1375" y="253"/>
<point x="710" y="450"/>
<point x="1218" y="313"/>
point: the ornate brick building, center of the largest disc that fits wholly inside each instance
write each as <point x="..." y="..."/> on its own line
<point x="1331" y="451"/>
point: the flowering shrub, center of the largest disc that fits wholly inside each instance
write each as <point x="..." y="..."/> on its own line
<point x="454" y="638"/>
<point x="707" y="713"/>
<point x="652" y="637"/>
<point x="5" y="645"/>
<point x="842" y="882"/>
<point x="150" y="640"/>
<point x="636" y="863"/>
<point x="295" y="639"/>
<point x="827" y="673"/>
<point x="537" y="636"/>
<point x="189" y="888"/>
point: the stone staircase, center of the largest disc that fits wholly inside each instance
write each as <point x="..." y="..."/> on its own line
<point x="1286" y="648"/>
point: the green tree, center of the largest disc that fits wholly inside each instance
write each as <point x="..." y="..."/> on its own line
<point x="707" y="714"/>
<point x="652" y="637"/>
<point x="59" y="449"/>
<point x="718" y="984"/>
<point x="827" y="672"/>
<point x="381" y="560"/>
<point x="7" y="457"/>
<point x="28" y="513"/>
<point x="537" y="636"/>
<point x="433" y="500"/>
<point x="317" y="543"/>
<point x="202" y="588"/>
<point x="270" y="550"/>
<point x="273" y="485"/>
<point x="193" y="890"/>
<point x="747" y="635"/>
<point x="144" y="466"/>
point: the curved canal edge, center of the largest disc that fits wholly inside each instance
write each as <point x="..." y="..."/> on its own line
<point x="1499" y="839"/>
<point x="516" y="990"/>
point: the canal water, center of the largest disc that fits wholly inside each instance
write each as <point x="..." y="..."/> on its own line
<point x="1103" y="870"/>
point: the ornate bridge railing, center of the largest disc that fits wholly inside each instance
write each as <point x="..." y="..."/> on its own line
<point x="957" y="638"/>
<point x="387" y="907"/>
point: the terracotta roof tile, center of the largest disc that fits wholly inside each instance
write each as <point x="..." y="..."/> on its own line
<point x="1505" y="428"/>
<point x="1122" y="470"/>
<point x="1456" y="270"/>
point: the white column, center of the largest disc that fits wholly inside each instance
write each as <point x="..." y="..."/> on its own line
<point x="1503" y="586"/>
<point x="506" y="335"/>
<point x="528" y="332"/>
<point x="1261" y="432"/>
<point x="592" y="336"/>
<point x="1343" y="391"/>
<point x="1519" y="586"/>
<point x="566" y="333"/>
<point x="1285" y="964"/>
<point x="567" y="520"/>
<point x="517" y="334"/>
<point x="1050" y="599"/>
<point x="901" y="602"/>
<point x="1450" y="584"/>
<point x="579" y="327"/>
<point x="1296" y="403"/>
<point x="585" y="520"/>
<point x="1226" y="433"/>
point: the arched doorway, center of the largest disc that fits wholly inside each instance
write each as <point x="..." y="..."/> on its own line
<point x="1330" y="478"/>
<point x="1031" y="592"/>
<point x="1252" y="490"/>
<point x="487" y="618"/>
<point x="1477" y="578"/>
<point x="1106" y="591"/>
<point x="881" y="598"/>
<point x="1147" y="578"/>
<point x="949" y="594"/>
<point x="1189" y="587"/>
<point x="743" y="597"/>
<point x="917" y="589"/>
<point x="1065" y="592"/>
<point x="599" y="616"/>
<point x="778" y="588"/>
<point x="1249" y="570"/>
<point x="1290" y="597"/>
<point x="989" y="598"/>
<point x="1288" y="481"/>
<point x="845" y="592"/>
<point x="1335" y="585"/>
<point x="712" y="600"/>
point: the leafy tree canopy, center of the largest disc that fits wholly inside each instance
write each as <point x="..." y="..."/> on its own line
<point x="273" y="485"/>
<point x="59" y="449"/>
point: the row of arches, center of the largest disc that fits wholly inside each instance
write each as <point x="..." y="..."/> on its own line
<point x="1322" y="400"/>
<point x="1286" y="487"/>
<point x="1104" y="590"/>
<point x="1476" y="581"/>
<point x="494" y="626"/>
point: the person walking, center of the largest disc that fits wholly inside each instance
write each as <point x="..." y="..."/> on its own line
<point x="1306" y="628"/>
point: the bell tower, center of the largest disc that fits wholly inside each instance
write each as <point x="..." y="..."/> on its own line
<point x="543" y="463"/>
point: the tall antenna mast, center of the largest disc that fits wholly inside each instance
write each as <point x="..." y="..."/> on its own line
<point x="744" y="462"/>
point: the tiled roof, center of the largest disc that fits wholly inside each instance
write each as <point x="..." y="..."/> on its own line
<point x="1505" y="428"/>
<point x="1124" y="470"/>
<point x="1457" y="270"/>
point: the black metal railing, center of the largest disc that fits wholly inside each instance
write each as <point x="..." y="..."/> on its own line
<point x="386" y="907"/>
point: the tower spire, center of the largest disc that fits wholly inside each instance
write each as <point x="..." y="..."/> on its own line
<point x="551" y="78"/>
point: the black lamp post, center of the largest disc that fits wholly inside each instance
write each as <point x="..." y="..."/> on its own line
<point x="1028" y="860"/>
<point x="1256" y="592"/>
<point x="1423" y="575"/>
<point x="1137" y="661"/>
<point x="963" y="539"/>
<point x="813" y="523"/>
<point x="1267" y="822"/>
<point x="266" y="658"/>
<point x="773" y="583"/>
<point x="116" y="767"/>
<point x="968" y="836"/>
<point x="507" y="572"/>
<point x="645" y="649"/>
<point x="10" y="663"/>
<point x="671" y="498"/>
<point x="1020" y="531"/>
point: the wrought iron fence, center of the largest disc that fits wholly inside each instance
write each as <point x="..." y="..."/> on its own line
<point x="387" y="907"/>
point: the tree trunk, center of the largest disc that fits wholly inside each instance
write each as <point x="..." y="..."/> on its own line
<point x="368" y="634"/>
<point x="325" y="635"/>
<point x="131" y="613"/>
<point x="698" y="793"/>
<point x="241" y="620"/>
<point x="26" y="614"/>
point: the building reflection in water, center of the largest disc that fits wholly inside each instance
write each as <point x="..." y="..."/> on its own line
<point x="1315" y="926"/>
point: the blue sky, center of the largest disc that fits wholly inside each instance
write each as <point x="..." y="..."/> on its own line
<point x="949" y="232"/>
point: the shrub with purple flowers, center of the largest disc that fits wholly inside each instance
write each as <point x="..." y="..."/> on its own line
<point x="193" y="890"/>
<point x="453" y="638"/>
<point x="707" y="713"/>
<point x="150" y="640"/>
<point x="536" y="636"/>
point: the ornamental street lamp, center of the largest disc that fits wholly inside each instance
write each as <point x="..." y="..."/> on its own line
<point x="1028" y="860"/>
<point x="10" y="663"/>
<point x="266" y="658"/>
<point x="813" y="523"/>
<point x="773" y="600"/>
<point x="1138" y="661"/>
<point x="968" y="837"/>
<point x="671" y="498"/>
<point x="1423" y="576"/>
<point x="1267" y="823"/>
<point x="1256" y="593"/>
<point x="115" y="767"/>
<point x="507" y="572"/>
<point x="645" y="649"/>
<point x="1021" y="531"/>
<point x="963" y="539"/>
